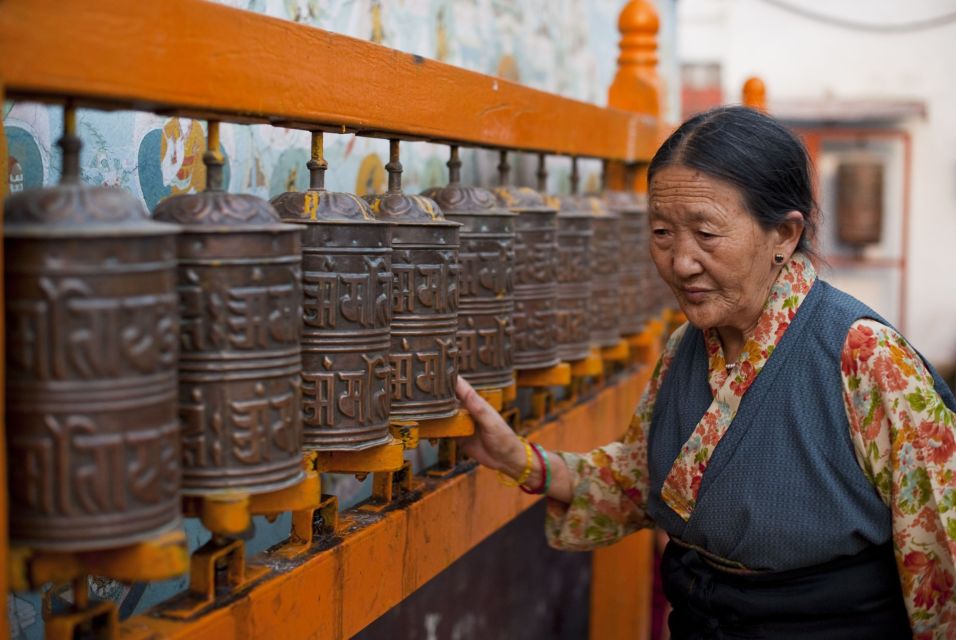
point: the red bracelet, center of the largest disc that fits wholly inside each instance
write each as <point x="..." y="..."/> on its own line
<point x="540" y="488"/>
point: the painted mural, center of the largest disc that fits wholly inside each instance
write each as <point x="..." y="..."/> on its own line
<point x="563" y="46"/>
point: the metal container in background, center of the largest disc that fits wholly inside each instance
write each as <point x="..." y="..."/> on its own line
<point x="424" y="349"/>
<point x="91" y="334"/>
<point x="535" y="274"/>
<point x="241" y="305"/>
<point x="486" y="289"/>
<point x="347" y="285"/>
<point x="860" y="201"/>
<point x="635" y="262"/>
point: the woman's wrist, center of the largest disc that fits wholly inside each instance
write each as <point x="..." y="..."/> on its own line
<point x="516" y="463"/>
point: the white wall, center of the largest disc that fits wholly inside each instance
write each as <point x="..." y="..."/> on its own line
<point x="800" y="58"/>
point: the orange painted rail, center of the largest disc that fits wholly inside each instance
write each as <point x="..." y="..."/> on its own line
<point x="382" y="559"/>
<point x="207" y="60"/>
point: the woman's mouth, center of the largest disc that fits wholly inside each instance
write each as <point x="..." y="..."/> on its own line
<point x="694" y="294"/>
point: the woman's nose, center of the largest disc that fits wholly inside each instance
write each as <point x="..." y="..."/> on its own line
<point x="685" y="260"/>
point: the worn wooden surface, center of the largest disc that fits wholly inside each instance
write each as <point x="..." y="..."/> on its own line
<point x="204" y="59"/>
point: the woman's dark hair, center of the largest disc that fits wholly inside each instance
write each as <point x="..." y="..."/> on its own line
<point x="756" y="154"/>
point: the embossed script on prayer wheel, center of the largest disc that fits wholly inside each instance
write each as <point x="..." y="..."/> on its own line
<point x="860" y="201"/>
<point x="424" y="350"/>
<point x="91" y="330"/>
<point x="605" y="319"/>
<point x="347" y="283"/>
<point x="241" y="304"/>
<point x="486" y="290"/>
<point x="574" y="280"/>
<point x="635" y="260"/>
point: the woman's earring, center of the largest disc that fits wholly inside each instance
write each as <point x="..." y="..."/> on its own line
<point x="778" y="258"/>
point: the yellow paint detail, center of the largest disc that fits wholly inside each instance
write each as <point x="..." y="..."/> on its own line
<point x="371" y="176"/>
<point x="310" y="206"/>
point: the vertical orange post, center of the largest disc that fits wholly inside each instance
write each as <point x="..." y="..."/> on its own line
<point x="637" y="84"/>
<point x="754" y="94"/>
<point x="4" y="543"/>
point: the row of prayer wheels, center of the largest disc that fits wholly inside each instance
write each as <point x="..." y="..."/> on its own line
<point x="200" y="351"/>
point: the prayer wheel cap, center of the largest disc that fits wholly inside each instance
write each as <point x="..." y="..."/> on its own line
<point x="456" y="198"/>
<point x="220" y="211"/>
<point x="407" y="209"/>
<point x="571" y="206"/>
<point x="522" y="199"/>
<point x="319" y="205"/>
<point x="73" y="209"/>
<point x="627" y="202"/>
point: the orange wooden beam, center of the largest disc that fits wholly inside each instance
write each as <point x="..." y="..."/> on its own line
<point x="383" y="558"/>
<point x="204" y="59"/>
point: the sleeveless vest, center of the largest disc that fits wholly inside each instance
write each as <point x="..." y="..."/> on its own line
<point x="783" y="494"/>
<point x="783" y="489"/>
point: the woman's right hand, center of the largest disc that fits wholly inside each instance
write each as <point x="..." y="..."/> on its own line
<point x="493" y="444"/>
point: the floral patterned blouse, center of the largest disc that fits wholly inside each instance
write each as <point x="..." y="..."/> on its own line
<point x="902" y="433"/>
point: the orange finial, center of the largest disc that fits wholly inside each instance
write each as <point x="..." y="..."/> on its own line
<point x="755" y="94"/>
<point x="637" y="85"/>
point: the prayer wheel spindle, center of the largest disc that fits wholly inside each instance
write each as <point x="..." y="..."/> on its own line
<point x="240" y="297"/>
<point x="424" y="350"/>
<point x="91" y="331"/>
<point x="347" y="287"/>
<point x="535" y="273"/>
<point x="486" y="286"/>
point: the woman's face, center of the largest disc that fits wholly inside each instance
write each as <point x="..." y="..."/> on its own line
<point x="711" y="252"/>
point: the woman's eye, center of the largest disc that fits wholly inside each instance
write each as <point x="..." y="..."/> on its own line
<point x="661" y="233"/>
<point x="706" y="235"/>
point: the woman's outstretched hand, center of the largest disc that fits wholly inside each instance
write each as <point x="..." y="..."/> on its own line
<point x="493" y="444"/>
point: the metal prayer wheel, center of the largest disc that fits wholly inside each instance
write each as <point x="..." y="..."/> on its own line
<point x="605" y="264"/>
<point x="486" y="288"/>
<point x="347" y="285"/>
<point x="240" y="299"/>
<point x="535" y="274"/>
<point x="574" y="275"/>
<point x="635" y="265"/>
<point x="860" y="201"/>
<point x="91" y="331"/>
<point x="424" y="349"/>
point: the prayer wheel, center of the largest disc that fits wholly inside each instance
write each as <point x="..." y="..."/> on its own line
<point x="605" y="321"/>
<point x="347" y="287"/>
<point x="860" y="201"/>
<point x="486" y="289"/>
<point x="574" y="280"/>
<point x="535" y="274"/>
<point x="91" y="331"/>
<point x="424" y="349"/>
<point x="635" y="259"/>
<point x="240" y="298"/>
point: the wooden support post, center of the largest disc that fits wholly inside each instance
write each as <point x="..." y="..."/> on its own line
<point x="637" y="84"/>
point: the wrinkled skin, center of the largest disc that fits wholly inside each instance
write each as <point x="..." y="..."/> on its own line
<point x="716" y="258"/>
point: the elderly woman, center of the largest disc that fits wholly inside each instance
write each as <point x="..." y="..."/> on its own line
<point x="797" y="450"/>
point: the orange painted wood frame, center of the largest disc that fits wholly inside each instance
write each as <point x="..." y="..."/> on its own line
<point x="206" y="60"/>
<point x="337" y="592"/>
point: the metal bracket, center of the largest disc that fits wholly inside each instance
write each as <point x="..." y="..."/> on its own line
<point x="388" y="487"/>
<point x="99" y="621"/>
<point x="217" y="568"/>
<point x="557" y="376"/>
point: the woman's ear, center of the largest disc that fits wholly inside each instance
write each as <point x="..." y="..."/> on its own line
<point x="789" y="233"/>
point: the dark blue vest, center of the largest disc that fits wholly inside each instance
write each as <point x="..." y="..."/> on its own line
<point x="783" y="489"/>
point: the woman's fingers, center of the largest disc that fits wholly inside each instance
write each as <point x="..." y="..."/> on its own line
<point x="482" y="412"/>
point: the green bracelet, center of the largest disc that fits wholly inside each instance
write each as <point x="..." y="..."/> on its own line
<point x="547" y="468"/>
